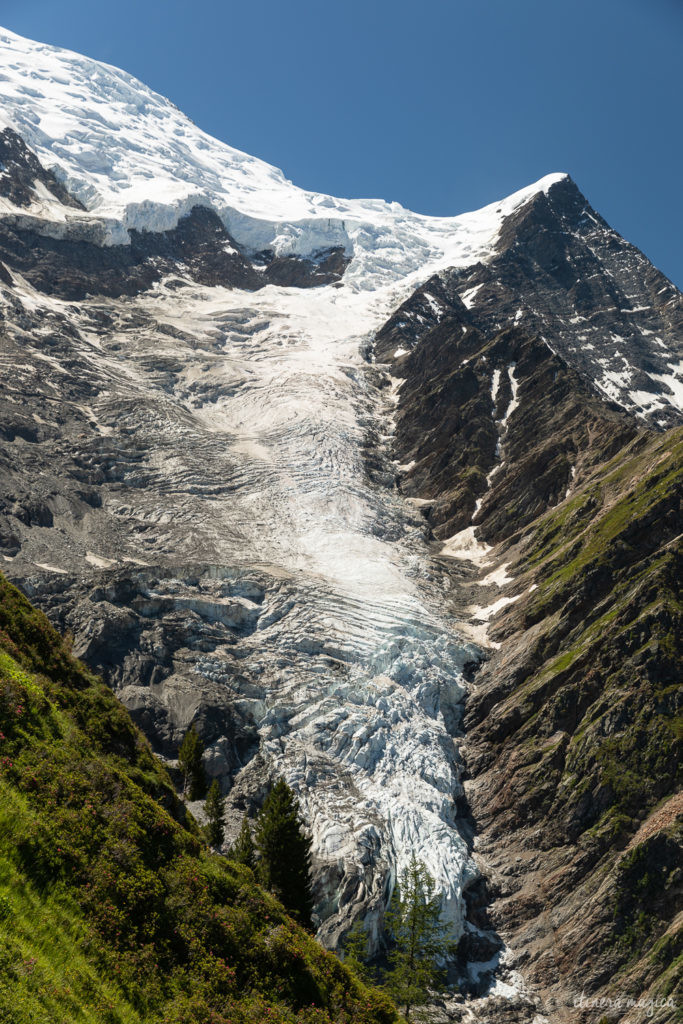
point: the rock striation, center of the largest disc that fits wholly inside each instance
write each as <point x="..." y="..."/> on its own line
<point x="385" y="504"/>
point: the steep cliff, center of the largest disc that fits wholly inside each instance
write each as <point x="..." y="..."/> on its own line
<point x="382" y="503"/>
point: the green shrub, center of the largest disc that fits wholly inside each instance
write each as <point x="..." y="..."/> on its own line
<point x="119" y="913"/>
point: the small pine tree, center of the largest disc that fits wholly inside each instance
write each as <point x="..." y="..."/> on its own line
<point x="191" y="764"/>
<point x="284" y="849"/>
<point x="419" y="937"/>
<point x="242" y="850"/>
<point x="214" y="807"/>
<point x="356" y="952"/>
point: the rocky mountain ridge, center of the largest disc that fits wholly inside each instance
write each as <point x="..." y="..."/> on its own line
<point x="294" y="468"/>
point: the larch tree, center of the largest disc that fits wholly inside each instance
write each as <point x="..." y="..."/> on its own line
<point x="418" y="937"/>
<point x="242" y="850"/>
<point x="215" y="808"/>
<point x="356" y="952"/>
<point x="191" y="764"/>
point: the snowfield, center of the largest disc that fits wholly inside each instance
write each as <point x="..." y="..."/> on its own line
<point x="135" y="161"/>
<point x="254" y="457"/>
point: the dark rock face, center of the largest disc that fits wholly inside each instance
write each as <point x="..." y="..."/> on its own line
<point x="326" y="267"/>
<point x="563" y="276"/>
<point x="199" y="247"/>
<point x="20" y="169"/>
<point x="487" y="456"/>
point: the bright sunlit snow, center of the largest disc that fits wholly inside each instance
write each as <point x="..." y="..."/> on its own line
<point x="282" y="439"/>
<point x="136" y="161"/>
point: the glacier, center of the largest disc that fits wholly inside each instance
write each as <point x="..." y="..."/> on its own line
<point x="136" y="162"/>
<point x="353" y="669"/>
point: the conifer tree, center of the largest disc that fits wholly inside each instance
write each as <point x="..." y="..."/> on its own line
<point x="419" y="938"/>
<point x="284" y="864"/>
<point x="242" y="850"/>
<point x="191" y="764"/>
<point x="214" y="807"/>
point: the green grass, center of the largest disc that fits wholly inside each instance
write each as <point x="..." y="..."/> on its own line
<point x="603" y="665"/>
<point x="45" y="975"/>
<point x="583" y="531"/>
<point x="111" y="907"/>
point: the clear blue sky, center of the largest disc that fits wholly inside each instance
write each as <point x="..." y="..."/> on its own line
<point x="443" y="105"/>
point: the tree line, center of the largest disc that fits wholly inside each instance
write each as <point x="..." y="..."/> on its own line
<point x="278" y="851"/>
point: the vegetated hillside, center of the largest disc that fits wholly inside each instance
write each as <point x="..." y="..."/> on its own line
<point x="574" y="740"/>
<point x="111" y="908"/>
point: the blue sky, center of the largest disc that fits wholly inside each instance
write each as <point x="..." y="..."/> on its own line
<point x="443" y="105"/>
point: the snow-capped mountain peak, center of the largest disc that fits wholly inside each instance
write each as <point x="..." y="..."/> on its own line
<point x="251" y="429"/>
<point x="136" y="162"/>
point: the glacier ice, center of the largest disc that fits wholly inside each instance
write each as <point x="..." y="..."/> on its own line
<point x="352" y="669"/>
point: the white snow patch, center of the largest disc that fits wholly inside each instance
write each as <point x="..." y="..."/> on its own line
<point x="495" y="385"/>
<point x="614" y="382"/>
<point x="469" y="296"/>
<point x="514" y="384"/>
<point x="646" y="401"/>
<point x="571" y="481"/>
<point x="465" y="546"/>
<point x="496" y="469"/>
<point x="478" y="633"/>
<point x="674" y="382"/>
<point x="498" y="577"/>
<point x="477" y="612"/>
<point x="99" y="561"/>
<point x="437" y="309"/>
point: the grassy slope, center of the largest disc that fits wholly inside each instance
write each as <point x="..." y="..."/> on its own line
<point x="111" y="908"/>
<point x="609" y="595"/>
<point x="584" y="725"/>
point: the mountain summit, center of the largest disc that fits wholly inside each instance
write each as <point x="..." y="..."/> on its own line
<point x="368" y="497"/>
<point x="136" y="162"/>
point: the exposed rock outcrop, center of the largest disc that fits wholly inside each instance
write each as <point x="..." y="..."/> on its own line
<point x="571" y="514"/>
<point x="256" y="509"/>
